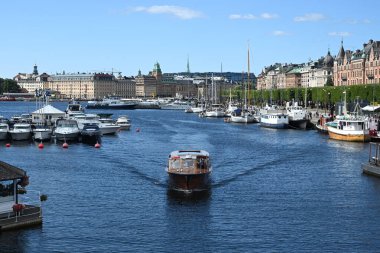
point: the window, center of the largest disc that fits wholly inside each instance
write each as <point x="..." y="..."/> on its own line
<point x="6" y="191"/>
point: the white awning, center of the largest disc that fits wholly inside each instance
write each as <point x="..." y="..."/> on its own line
<point x="371" y="108"/>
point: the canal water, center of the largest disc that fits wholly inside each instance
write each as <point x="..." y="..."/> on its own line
<point x="272" y="190"/>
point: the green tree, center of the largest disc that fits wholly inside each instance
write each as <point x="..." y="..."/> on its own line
<point x="329" y="81"/>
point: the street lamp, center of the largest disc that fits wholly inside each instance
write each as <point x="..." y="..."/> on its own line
<point x="345" y="101"/>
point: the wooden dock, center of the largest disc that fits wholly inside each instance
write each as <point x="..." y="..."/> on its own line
<point x="31" y="216"/>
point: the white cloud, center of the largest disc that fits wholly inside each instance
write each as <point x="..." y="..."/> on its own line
<point x="239" y="16"/>
<point x="177" y="11"/>
<point x="340" y="34"/>
<point x="310" y="17"/>
<point x="280" y="33"/>
<point x="251" y="16"/>
<point x="268" y="16"/>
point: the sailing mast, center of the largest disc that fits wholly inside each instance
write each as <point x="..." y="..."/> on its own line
<point x="248" y="80"/>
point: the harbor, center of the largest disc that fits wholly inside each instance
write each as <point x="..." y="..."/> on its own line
<point x="269" y="189"/>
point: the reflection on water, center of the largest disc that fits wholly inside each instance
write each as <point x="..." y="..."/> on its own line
<point x="180" y="197"/>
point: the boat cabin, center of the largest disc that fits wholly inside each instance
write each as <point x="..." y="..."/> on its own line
<point x="352" y="125"/>
<point x="189" y="162"/>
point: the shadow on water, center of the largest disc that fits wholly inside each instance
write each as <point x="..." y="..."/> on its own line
<point x="180" y="197"/>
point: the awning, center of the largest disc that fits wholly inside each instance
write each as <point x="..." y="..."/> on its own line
<point x="371" y="108"/>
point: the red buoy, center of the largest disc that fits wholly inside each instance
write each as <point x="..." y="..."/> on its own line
<point x="41" y="145"/>
<point x="8" y="145"/>
<point x="65" y="145"/>
<point x="97" y="145"/>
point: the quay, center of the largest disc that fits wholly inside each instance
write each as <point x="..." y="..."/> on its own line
<point x="16" y="211"/>
<point x="373" y="165"/>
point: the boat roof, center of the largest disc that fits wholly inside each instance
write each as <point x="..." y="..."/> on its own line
<point x="9" y="172"/>
<point x="371" y="108"/>
<point x="191" y="153"/>
<point x="48" y="109"/>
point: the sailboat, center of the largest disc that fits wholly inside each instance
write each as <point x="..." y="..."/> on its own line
<point x="244" y="116"/>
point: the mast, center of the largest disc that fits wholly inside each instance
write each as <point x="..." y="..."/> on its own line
<point x="248" y="84"/>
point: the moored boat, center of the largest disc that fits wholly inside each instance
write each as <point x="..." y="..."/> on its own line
<point x="21" y="132"/>
<point x="41" y="133"/>
<point x="274" y="120"/>
<point x="4" y="130"/>
<point x="91" y="133"/>
<point x="66" y="130"/>
<point x="123" y="122"/>
<point x="189" y="170"/>
<point x="349" y="129"/>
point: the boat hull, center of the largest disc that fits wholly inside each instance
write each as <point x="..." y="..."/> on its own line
<point x="67" y="136"/>
<point x="276" y="126"/>
<point x="243" y="119"/>
<point x="42" y="135"/>
<point x="112" y="107"/>
<point x="298" y="124"/>
<point x="21" y="136"/>
<point x="354" y="137"/>
<point x="91" y="138"/>
<point x="3" y="135"/>
<point x="189" y="182"/>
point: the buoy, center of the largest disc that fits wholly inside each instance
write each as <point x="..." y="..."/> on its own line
<point x="65" y="145"/>
<point x="41" y="145"/>
<point x="8" y="145"/>
<point x="97" y="145"/>
<point x="137" y="129"/>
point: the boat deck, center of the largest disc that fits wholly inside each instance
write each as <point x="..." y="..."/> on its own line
<point x="188" y="171"/>
<point x="30" y="216"/>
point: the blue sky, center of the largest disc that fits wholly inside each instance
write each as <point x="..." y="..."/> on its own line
<point x="128" y="35"/>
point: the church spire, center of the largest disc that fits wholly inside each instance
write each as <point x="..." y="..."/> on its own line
<point x="188" y="65"/>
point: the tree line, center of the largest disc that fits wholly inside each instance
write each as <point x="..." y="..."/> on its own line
<point x="9" y="85"/>
<point x="369" y="93"/>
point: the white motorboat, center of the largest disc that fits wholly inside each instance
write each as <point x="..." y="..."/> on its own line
<point x="124" y="122"/>
<point x="21" y="132"/>
<point x="108" y="127"/>
<point x="216" y="111"/>
<point x="243" y="117"/>
<point x="42" y="133"/>
<point x="66" y="130"/>
<point x="4" y="130"/>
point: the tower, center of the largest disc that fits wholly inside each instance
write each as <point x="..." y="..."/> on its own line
<point x="188" y="65"/>
<point x="35" y="71"/>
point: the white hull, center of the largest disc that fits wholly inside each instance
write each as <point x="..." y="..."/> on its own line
<point x="108" y="129"/>
<point x="67" y="136"/>
<point x="243" y="119"/>
<point x="3" y="135"/>
<point x="20" y="136"/>
<point x="124" y="126"/>
<point x="197" y="109"/>
<point x="42" y="134"/>
<point x="215" y="113"/>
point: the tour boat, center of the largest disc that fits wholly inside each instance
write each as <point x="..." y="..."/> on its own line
<point x="189" y="170"/>
<point x="349" y="129"/>
<point x="274" y="120"/>
<point x="21" y="132"/>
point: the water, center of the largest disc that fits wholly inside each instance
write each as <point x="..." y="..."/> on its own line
<point x="272" y="190"/>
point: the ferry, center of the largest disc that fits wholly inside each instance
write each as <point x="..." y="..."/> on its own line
<point x="112" y="103"/>
<point x="189" y="170"/>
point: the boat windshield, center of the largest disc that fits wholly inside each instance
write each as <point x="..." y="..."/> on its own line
<point x="3" y="127"/>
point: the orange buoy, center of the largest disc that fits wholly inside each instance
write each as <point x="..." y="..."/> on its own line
<point x="8" y="145"/>
<point x="65" y="145"/>
<point x="97" y="145"/>
<point x="41" y="145"/>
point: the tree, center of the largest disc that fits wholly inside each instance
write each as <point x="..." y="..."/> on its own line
<point x="9" y="85"/>
<point x="329" y="81"/>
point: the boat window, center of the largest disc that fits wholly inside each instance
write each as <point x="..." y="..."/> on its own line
<point x="175" y="164"/>
<point x="188" y="163"/>
<point x="6" y="191"/>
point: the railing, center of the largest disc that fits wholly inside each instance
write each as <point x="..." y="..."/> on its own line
<point x="374" y="149"/>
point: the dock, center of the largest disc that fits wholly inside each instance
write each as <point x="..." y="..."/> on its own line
<point x="372" y="167"/>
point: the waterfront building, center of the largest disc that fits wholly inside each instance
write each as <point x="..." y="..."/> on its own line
<point x="31" y="82"/>
<point x="359" y="66"/>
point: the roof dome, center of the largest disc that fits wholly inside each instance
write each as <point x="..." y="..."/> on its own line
<point x="329" y="60"/>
